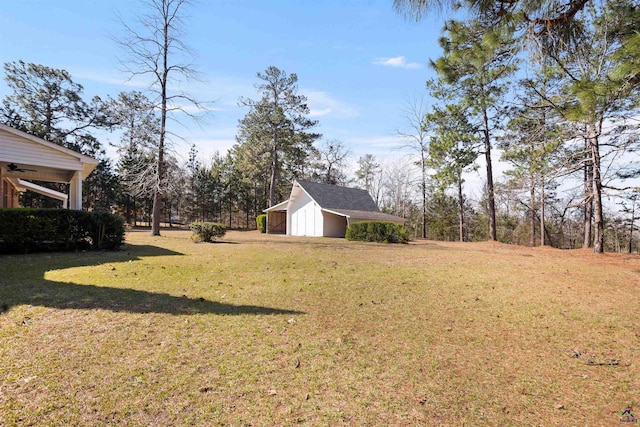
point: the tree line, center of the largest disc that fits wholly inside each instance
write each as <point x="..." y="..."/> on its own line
<point x="552" y="85"/>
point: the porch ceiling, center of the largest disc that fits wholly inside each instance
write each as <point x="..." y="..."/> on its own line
<point x="36" y="172"/>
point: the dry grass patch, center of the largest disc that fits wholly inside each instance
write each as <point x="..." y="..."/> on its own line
<point x="272" y="330"/>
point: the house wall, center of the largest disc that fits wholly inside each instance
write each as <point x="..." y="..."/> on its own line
<point x="334" y="225"/>
<point x="305" y="217"/>
<point x="21" y="151"/>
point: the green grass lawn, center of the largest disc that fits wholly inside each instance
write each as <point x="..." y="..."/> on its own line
<point x="264" y="330"/>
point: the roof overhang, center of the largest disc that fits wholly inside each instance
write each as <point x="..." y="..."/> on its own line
<point x="366" y="215"/>
<point x="282" y="206"/>
<point x="42" y="167"/>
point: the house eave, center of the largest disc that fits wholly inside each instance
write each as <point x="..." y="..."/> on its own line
<point x="366" y="215"/>
<point x="282" y="206"/>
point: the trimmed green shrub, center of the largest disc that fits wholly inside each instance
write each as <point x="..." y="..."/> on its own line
<point x="261" y="223"/>
<point x="372" y="231"/>
<point x="207" y="231"/>
<point x="107" y="231"/>
<point x="44" y="230"/>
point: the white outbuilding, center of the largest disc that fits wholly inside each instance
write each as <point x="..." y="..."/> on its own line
<point x="323" y="210"/>
<point x="25" y="158"/>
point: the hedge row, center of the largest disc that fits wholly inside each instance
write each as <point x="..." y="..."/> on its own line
<point x="46" y="230"/>
<point x="207" y="231"/>
<point x="261" y="223"/>
<point x="369" y="231"/>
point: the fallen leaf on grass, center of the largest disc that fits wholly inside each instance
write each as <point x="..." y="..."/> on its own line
<point x="29" y="379"/>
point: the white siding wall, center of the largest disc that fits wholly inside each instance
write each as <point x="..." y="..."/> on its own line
<point x="22" y="151"/>
<point x="334" y="225"/>
<point x="306" y="216"/>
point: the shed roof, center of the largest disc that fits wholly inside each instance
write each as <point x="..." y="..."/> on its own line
<point x="366" y="215"/>
<point x="339" y="198"/>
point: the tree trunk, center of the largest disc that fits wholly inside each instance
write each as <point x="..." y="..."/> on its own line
<point x="127" y="214"/>
<point x="424" y="196"/>
<point x="633" y="218"/>
<point x="460" y="209"/>
<point x="543" y="229"/>
<point x="532" y="211"/>
<point x="491" y="196"/>
<point x="157" y="193"/>
<point x="156" y="213"/>
<point x="588" y="206"/>
<point x="598" y="216"/>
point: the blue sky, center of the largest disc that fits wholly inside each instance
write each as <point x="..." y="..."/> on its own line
<point x="357" y="61"/>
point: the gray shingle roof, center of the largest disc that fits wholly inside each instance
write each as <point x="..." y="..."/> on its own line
<point x="335" y="197"/>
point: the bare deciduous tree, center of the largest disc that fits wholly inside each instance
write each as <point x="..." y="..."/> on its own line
<point x="154" y="49"/>
<point x="369" y="176"/>
<point x="333" y="156"/>
<point x="415" y="139"/>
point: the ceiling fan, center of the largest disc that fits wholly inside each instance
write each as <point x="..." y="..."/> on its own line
<point x="14" y="168"/>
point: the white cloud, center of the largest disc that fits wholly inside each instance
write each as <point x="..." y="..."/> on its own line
<point x="320" y="113"/>
<point x="396" y="62"/>
<point x="208" y="141"/>
<point x="379" y="143"/>
<point x="323" y="104"/>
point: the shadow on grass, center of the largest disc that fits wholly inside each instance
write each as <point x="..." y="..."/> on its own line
<point x="22" y="282"/>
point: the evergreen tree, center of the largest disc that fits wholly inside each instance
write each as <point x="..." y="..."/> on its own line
<point x="367" y="175"/>
<point x="47" y="103"/>
<point x="546" y="21"/>
<point x="275" y="131"/>
<point x="477" y="61"/>
<point x="532" y="143"/>
<point x="598" y="90"/>
<point x="453" y="149"/>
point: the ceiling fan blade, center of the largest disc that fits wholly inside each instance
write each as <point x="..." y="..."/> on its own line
<point x="15" y="168"/>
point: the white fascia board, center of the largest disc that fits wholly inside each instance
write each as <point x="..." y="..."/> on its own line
<point x="277" y="207"/>
<point x="336" y="213"/>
